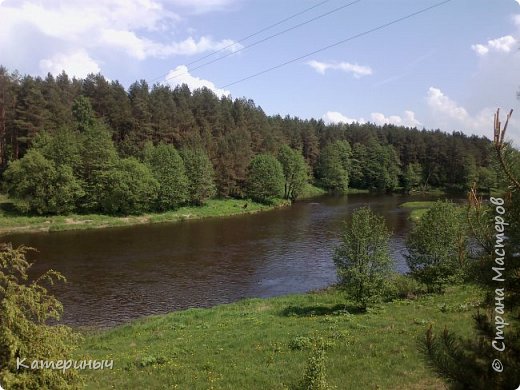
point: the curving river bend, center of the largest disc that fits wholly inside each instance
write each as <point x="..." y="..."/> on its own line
<point x="118" y="274"/>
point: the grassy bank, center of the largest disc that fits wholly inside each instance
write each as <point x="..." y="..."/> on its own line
<point x="264" y="343"/>
<point x="418" y="208"/>
<point x="10" y="223"/>
<point x="312" y="191"/>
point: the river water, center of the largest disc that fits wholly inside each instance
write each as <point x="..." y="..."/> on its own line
<point x="119" y="274"/>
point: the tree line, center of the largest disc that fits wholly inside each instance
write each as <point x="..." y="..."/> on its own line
<point x="225" y="135"/>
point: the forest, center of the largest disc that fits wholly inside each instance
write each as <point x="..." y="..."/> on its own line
<point x="81" y="145"/>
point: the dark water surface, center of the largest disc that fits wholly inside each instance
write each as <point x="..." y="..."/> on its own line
<point x="118" y="274"/>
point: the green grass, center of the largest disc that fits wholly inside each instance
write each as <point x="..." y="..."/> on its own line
<point x="264" y="343"/>
<point x="311" y="191"/>
<point x="357" y="191"/>
<point x="11" y="223"/>
<point x="419" y="208"/>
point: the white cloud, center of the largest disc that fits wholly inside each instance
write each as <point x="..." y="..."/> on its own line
<point x="200" y="6"/>
<point x="449" y="116"/>
<point x="139" y="28"/>
<point x="357" y="70"/>
<point x="334" y="117"/>
<point x="408" y="119"/>
<point x="518" y="1"/>
<point x="441" y="103"/>
<point x="77" y="63"/>
<point x="500" y="45"/>
<point x="180" y="75"/>
<point x="142" y="48"/>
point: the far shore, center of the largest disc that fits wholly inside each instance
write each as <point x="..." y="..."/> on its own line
<point x="11" y="223"/>
<point x="213" y="208"/>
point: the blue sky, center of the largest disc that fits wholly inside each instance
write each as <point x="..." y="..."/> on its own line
<point x="448" y="68"/>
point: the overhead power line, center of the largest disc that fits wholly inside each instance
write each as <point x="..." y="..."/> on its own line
<point x="423" y="10"/>
<point x="264" y="39"/>
<point x="252" y="35"/>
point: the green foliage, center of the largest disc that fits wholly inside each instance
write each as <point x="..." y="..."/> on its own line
<point x="168" y="169"/>
<point x="314" y="377"/>
<point x="63" y="147"/>
<point x="200" y="174"/>
<point x="300" y="343"/>
<point x="39" y="186"/>
<point x="294" y="171"/>
<point x="412" y="177"/>
<point x="467" y="363"/>
<point x="98" y="157"/>
<point x="83" y="113"/>
<point x="376" y="166"/>
<point x="128" y="188"/>
<point x="401" y="286"/>
<point x="334" y="166"/>
<point x="266" y="179"/>
<point x="437" y="246"/>
<point x="363" y="261"/>
<point x="486" y="178"/>
<point x="230" y="131"/>
<point x="25" y="308"/>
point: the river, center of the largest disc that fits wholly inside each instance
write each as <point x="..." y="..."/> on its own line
<point x="119" y="274"/>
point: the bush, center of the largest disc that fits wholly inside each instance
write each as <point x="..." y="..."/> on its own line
<point x="129" y="188"/>
<point x="403" y="287"/>
<point x="25" y="308"/>
<point x="437" y="246"/>
<point x="314" y="376"/>
<point x="39" y="186"/>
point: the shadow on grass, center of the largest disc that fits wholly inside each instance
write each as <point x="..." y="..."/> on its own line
<point x="309" y="311"/>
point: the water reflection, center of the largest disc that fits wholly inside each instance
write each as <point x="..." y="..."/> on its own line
<point x="118" y="274"/>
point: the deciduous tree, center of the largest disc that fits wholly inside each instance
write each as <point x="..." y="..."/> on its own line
<point x="362" y="259"/>
<point x="265" y="180"/>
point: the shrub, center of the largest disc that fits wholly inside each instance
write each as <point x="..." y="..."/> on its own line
<point x="25" y="308"/>
<point x="437" y="246"/>
<point x="39" y="186"/>
<point x="129" y="188"/>
<point x="403" y="287"/>
<point x="314" y="377"/>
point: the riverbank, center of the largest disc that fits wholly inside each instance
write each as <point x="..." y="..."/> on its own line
<point x="11" y="222"/>
<point x="264" y="343"/>
<point x="213" y="208"/>
<point x="418" y="208"/>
